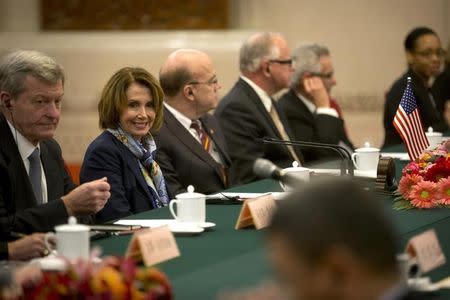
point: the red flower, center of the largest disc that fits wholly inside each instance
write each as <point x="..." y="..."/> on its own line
<point x="423" y="194"/>
<point x="440" y="169"/>
<point x="411" y="168"/>
<point x="113" y="278"/>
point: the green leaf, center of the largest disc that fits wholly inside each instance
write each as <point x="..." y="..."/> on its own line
<point x="399" y="198"/>
<point x="402" y="205"/>
<point x="397" y="193"/>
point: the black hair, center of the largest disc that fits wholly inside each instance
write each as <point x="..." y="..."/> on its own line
<point x="414" y="35"/>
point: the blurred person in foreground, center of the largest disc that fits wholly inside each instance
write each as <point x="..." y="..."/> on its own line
<point x="191" y="145"/>
<point x="425" y="56"/>
<point x="36" y="191"/>
<point x="312" y="114"/>
<point x="130" y="108"/>
<point x="327" y="246"/>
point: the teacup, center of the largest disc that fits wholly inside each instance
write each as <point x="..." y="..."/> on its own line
<point x="434" y="137"/>
<point x="366" y="158"/>
<point x="191" y="207"/>
<point x="72" y="240"/>
<point x="296" y="174"/>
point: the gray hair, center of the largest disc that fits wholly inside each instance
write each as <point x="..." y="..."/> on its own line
<point x="15" y="66"/>
<point x="256" y="48"/>
<point x="306" y="58"/>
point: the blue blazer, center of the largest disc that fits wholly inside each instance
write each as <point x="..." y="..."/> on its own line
<point x="107" y="157"/>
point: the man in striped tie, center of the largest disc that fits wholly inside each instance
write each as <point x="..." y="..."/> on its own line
<point x="191" y="147"/>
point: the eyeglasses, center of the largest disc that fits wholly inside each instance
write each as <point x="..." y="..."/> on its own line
<point x="213" y="81"/>
<point x="323" y="75"/>
<point x="281" y="61"/>
<point x="440" y="53"/>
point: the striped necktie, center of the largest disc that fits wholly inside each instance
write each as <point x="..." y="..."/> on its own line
<point x="203" y="136"/>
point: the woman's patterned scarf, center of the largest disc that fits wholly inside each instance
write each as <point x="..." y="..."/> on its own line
<point x="144" y="152"/>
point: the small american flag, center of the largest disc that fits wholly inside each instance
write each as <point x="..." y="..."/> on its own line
<point x="408" y="124"/>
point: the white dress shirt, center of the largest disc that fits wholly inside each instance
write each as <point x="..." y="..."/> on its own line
<point x="321" y="110"/>
<point x="25" y="149"/>
<point x="263" y="96"/>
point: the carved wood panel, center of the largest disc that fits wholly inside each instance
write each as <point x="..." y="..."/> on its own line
<point x="134" y="14"/>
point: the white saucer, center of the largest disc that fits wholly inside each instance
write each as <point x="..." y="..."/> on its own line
<point x="185" y="228"/>
<point x="207" y="225"/>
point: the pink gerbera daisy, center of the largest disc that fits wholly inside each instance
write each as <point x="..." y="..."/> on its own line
<point x="423" y="194"/>
<point x="406" y="184"/>
<point x="443" y="187"/>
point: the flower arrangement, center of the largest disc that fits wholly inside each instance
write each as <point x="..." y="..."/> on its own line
<point x="112" y="278"/>
<point x="425" y="182"/>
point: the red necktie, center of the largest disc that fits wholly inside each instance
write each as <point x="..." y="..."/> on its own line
<point x="204" y="138"/>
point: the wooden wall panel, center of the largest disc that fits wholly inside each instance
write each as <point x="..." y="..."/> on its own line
<point x="134" y="14"/>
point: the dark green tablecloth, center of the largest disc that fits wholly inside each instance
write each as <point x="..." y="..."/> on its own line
<point x="225" y="258"/>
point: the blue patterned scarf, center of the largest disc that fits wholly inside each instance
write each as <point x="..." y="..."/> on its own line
<point x="144" y="152"/>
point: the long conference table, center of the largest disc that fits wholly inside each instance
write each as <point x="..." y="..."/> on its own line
<point x="227" y="259"/>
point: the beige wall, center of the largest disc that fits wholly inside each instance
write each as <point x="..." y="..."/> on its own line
<point x="365" y="38"/>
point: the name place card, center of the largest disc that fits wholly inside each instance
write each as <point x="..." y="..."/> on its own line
<point x="153" y="245"/>
<point x="257" y="211"/>
<point x="426" y="248"/>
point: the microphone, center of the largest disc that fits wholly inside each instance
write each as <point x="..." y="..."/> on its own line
<point x="264" y="168"/>
<point x="346" y="161"/>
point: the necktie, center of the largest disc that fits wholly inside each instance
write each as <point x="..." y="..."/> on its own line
<point x="36" y="174"/>
<point x="276" y="120"/>
<point x="206" y="144"/>
<point x="204" y="138"/>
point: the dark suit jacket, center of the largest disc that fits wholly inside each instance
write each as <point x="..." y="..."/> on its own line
<point x="185" y="162"/>
<point x="416" y="295"/>
<point x="18" y="209"/>
<point x="245" y="121"/>
<point x="441" y="87"/>
<point x="308" y="127"/>
<point x="428" y="114"/>
<point x="107" y="157"/>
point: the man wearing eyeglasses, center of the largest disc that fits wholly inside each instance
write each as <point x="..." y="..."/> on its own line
<point x="312" y="115"/>
<point x="248" y="114"/>
<point x="425" y="56"/>
<point x="191" y="146"/>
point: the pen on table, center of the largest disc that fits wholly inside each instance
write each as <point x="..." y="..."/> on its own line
<point x="125" y="232"/>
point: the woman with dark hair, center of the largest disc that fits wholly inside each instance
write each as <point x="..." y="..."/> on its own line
<point x="425" y="56"/>
<point x="130" y="108"/>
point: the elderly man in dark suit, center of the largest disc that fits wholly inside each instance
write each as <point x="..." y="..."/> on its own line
<point x="36" y="192"/>
<point x="248" y="114"/>
<point x="191" y="147"/>
<point x="311" y="113"/>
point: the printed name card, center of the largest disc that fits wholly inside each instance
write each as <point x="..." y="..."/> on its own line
<point x="427" y="249"/>
<point x="257" y="211"/>
<point x="153" y="246"/>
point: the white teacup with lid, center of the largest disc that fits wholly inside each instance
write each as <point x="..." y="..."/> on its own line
<point x="366" y="158"/>
<point x="299" y="173"/>
<point x="72" y="240"/>
<point x="434" y="137"/>
<point x="191" y="207"/>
